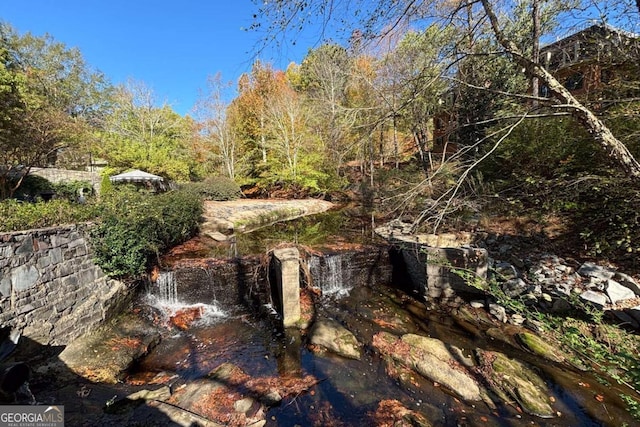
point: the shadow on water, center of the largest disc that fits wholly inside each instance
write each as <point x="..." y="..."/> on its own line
<point x="51" y="382"/>
<point x="250" y="355"/>
<point x="346" y="392"/>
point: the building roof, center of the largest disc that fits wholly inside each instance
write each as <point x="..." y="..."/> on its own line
<point x="136" y="175"/>
<point x="601" y="29"/>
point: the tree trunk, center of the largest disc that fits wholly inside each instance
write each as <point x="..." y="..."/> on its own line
<point x="535" y="54"/>
<point x="601" y="133"/>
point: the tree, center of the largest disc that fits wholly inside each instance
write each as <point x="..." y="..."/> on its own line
<point x="288" y="125"/>
<point x="362" y="100"/>
<point x="616" y="149"/>
<point x="215" y="130"/>
<point x="139" y="134"/>
<point x="248" y="110"/>
<point x="373" y="17"/>
<point x="421" y="87"/>
<point x="48" y="97"/>
<point x="325" y="74"/>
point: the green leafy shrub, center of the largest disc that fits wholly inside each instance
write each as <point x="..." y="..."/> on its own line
<point x="136" y="227"/>
<point x="105" y="183"/>
<point x="71" y="190"/>
<point x="545" y="148"/>
<point x="31" y="187"/>
<point x="608" y="217"/>
<point x="217" y="188"/>
<point x="24" y="216"/>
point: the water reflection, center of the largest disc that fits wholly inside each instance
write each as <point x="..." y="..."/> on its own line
<point x="335" y="228"/>
<point x="346" y="392"/>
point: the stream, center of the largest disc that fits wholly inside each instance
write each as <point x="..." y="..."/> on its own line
<point x="220" y="361"/>
<point x="345" y="392"/>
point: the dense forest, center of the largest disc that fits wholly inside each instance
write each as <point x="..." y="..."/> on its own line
<point x="440" y="111"/>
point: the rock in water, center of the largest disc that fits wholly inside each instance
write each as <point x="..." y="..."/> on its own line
<point x="334" y="337"/>
<point x="512" y="380"/>
<point x="431" y="359"/>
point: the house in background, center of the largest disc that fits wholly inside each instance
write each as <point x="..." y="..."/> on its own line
<point x="599" y="64"/>
<point x="588" y="61"/>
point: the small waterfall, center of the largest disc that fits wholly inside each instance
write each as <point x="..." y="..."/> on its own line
<point x="164" y="295"/>
<point x="327" y="274"/>
<point x="167" y="288"/>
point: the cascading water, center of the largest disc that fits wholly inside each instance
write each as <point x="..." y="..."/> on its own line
<point x="164" y="295"/>
<point x="327" y="274"/>
<point x="167" y="288"/>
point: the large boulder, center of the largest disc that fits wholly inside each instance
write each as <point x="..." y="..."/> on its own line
<point x="332" y="336"/>
<point x="106" y="354"/>
<point x="512" y="380"/>
<point x="431" y="359"/>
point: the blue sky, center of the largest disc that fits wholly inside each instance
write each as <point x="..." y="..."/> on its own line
<point x="171" y="46"/>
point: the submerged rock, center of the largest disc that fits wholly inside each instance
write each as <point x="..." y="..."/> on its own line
<point x="269" y="391"/>
<point x="473" y="320"/>
<point x="512" y="380"/>
<point x="184" y="318"/>
<point x="219" y="403"/>
<point x="334" y="337"/>
<point x="431" y="359"/>
<point x="392" y="413"/>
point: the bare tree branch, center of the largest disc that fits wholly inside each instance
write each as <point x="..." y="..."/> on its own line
<point x="602" y="134"/>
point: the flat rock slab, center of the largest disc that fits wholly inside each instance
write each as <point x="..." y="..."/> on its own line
<point x="430" y="358"/>
<point x="249" y="214"/>
<point x="104" y="355"/>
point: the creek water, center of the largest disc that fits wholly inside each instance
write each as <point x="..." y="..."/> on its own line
<point x="347" y="392"/>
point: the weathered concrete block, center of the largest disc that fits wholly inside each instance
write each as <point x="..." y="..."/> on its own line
<point x="41" y="245"/>
<point x="58" y="240"/>
<point x="5" y="286"/>
<point x="86" y="277"/>
<point x="63" y="305"/>
<point x="6" y="251"/>
<point x="77" y="241"/>
<point x="56" y="255"/>
<point x="442" y="272"/>
<point x="455" y="269"/>
<point x="81" y="251"/>
<point x="25" y="309"/>
<point x="64" y="269"/>
<point x="287" y="272"/>
<point x="70" y="282"/>
<point x="43" y="262"/>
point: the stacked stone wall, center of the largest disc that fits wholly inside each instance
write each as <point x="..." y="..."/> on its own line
<point x="64" y="175"/>
<point x="50" y="287"/>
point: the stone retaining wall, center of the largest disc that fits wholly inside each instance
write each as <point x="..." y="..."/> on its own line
<point x="64" y="175"/>
<point x="50" y="288"/>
